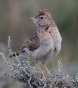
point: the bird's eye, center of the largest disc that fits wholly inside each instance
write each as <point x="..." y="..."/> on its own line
<point x="41" y="17"/>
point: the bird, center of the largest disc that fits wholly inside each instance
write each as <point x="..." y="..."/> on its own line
<point x="45" y="43"/>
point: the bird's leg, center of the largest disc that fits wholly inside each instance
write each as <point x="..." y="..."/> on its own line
<point x="45" y="67"/>
<point x="41" y="72"/>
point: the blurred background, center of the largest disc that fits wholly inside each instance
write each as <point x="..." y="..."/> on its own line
<point x="14" y="22"/>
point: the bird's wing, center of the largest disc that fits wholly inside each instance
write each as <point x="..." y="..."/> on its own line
<point x="33" y="43"/>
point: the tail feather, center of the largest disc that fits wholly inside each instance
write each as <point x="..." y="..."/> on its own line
<point x="16" y="54"/>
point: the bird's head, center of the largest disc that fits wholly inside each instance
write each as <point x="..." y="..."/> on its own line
<point x="43" y="18"/>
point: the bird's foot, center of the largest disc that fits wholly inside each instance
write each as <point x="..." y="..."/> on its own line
<point x="45" y="67"/>
<point x="42" y="74"/>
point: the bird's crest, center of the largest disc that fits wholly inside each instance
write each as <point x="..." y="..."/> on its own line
<point x="43" y="12"/>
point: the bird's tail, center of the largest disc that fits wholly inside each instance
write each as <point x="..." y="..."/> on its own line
<point x="16" y="54"/>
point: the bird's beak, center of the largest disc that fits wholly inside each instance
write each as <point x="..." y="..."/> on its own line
<point x="33" y="18"/>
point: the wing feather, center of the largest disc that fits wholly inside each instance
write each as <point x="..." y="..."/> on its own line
<point x="33" y="42"/>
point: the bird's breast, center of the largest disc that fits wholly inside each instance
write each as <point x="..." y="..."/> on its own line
<point x="43" y="53"/>
<point x="57" y="40"/>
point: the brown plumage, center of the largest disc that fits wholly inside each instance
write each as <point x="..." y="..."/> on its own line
<point x="46" y="42"/>
<point x="33" y="43"/>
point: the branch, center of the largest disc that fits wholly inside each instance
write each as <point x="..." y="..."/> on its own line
<point x="25" y="73"/>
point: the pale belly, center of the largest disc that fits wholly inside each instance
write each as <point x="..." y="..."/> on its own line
<point x="47" y="50"/>
<point x="43" y="53"/>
